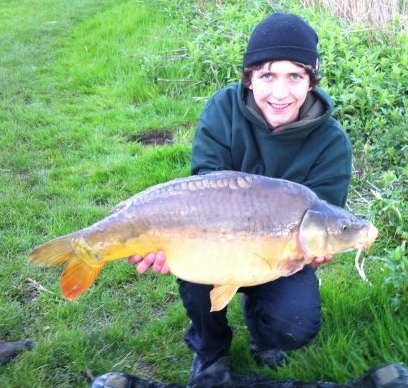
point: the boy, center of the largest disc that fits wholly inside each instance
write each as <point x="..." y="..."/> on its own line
<point x="275" y="122"/>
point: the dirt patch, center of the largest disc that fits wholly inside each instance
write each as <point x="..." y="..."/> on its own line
<point x="154" y="137"/>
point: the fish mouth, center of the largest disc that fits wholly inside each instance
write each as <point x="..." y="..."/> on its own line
<point x="373" y="231"/>
<point x="372" y="235"/>
<point x="367" y="241"/>
<point x="363" y="246"/>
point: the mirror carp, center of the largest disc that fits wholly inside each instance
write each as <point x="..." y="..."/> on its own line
<point x="229" y="229"/>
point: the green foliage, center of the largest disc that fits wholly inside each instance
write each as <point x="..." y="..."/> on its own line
<point x="370" y="95"/>
<point x="390" y="208"/>
<point x="396" y="263"/>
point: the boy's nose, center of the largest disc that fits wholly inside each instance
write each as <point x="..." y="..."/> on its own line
<point x="280" y="89"/>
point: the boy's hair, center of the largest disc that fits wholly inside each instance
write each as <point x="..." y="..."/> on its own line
<point x="314" y="74"/>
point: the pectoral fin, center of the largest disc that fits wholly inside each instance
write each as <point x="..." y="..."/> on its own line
<point x="221" y="295"/>
<point x="290" y="266"/>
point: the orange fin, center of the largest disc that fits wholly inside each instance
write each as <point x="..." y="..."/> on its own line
<point x="54" y="252"/>
<point x="221" y="295"/>
<point x="80" y="271"/>
<point x="78" y="276"/>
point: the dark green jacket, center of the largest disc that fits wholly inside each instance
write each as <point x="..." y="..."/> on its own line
<point x="315" y="151"/>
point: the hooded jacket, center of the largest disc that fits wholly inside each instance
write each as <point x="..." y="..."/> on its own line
<point x="314" y="151"/>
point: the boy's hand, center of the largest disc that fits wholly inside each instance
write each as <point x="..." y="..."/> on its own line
<point x="156" y="261"/>
<point x="321" y="260"/>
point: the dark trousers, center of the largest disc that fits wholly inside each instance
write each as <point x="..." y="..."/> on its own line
<point x="284" y="314"/>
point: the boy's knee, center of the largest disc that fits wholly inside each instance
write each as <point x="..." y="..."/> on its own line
<point x="294" y="336"/>
<point x="286" y="330"/>
<point x="287" y="336"/>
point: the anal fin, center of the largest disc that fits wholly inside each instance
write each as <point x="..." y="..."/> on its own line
<point x="221" y="295"/>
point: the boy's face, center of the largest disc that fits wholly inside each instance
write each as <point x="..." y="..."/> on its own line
<point x="280" y="89"/>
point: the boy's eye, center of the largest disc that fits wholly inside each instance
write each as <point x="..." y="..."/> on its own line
<point x="267" y="75"/>
<point x="296" y="76"/>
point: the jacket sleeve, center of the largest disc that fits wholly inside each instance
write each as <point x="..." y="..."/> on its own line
<point x="211" y="150"/>
<point x="330" y="175"/>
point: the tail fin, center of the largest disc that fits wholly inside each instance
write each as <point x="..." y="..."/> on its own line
<point x="54" y="252"/>
<point x="78" y="276"/>
<point x="79" y="272"/>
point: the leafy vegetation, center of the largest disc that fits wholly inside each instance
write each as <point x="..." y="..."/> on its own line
<point x="81" y="84"/>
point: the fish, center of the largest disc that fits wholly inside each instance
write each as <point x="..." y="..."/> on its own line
<point x="228" y="229"/>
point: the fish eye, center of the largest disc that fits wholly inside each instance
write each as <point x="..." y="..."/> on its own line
<point x="343" y="225"/>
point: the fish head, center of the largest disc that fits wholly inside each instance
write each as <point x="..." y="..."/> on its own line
<point x="329" y="229"/>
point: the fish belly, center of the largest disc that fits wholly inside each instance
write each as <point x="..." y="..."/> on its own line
<point x="242" y="260"/>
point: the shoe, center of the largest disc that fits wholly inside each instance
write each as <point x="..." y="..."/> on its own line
<point x="113" y="380"/>
<point x="273" y="358"/>
<point x="123" y="380"/>
<point x="206" y="375"/>
<point x="382" y="376"/>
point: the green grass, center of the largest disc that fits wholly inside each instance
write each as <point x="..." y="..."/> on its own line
<point x="79" y="83"/>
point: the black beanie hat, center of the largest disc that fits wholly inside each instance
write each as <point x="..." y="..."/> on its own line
<point x="282" y="36"/>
